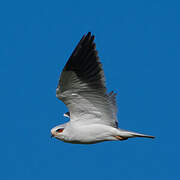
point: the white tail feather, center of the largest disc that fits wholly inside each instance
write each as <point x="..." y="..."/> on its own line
<point x="130" y="134"/>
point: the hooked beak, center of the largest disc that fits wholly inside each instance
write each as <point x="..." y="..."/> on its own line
<point x="52" y="135"/>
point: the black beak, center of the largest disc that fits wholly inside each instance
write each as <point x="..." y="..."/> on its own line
<point x="52" y="135"/>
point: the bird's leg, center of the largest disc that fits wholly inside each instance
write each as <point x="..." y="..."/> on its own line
<point x="121" y="138"/>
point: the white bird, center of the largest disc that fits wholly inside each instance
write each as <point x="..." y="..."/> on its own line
<point x="92" y="111"/>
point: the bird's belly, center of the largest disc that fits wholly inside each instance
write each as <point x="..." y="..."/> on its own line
<point x="90" y="134"/>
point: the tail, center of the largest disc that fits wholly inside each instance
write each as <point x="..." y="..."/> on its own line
<point x="124" y="134"/>
<point x="142" y="135"/>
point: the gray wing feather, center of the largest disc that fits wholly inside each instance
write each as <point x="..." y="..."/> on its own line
<point x="112" y="97"/>
<point x="82" y="86"/>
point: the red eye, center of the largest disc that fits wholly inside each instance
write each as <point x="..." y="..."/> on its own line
<point x="60" y="130"/>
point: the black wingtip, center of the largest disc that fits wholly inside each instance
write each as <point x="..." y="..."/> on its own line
<point x="89" y="36"/>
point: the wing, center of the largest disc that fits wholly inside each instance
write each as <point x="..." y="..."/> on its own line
<point x="82" y="86"/>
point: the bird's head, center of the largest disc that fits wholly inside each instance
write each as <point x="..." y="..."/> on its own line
<point x="58" y="132"/>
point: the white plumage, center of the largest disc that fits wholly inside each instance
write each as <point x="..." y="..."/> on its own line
<point x="92" y="111"/>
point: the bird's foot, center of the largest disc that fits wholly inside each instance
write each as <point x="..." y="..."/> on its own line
<point x="121" y="138"/>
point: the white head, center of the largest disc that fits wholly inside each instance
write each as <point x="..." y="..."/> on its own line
<point x="58" y="132"/>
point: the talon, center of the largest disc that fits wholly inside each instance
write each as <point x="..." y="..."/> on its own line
<point x="121" y="138"/>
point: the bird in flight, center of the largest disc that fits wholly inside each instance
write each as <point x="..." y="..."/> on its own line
<point x="92" y="111"/>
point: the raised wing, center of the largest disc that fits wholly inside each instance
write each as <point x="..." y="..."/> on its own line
<point x="82" y="86"/>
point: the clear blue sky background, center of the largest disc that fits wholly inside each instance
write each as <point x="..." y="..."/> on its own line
<point x="139" y="46"/>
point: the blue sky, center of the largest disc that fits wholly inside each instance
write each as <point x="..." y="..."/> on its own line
<point x="139" y="46"/>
